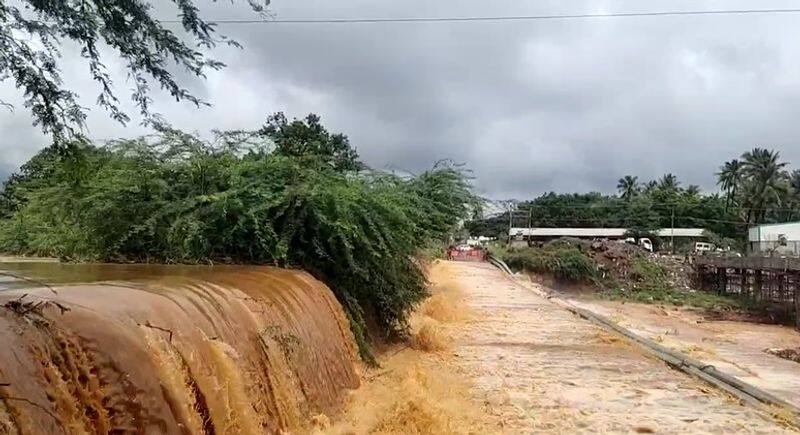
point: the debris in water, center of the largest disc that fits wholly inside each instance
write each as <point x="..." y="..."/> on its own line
<point x="790" y="354"/>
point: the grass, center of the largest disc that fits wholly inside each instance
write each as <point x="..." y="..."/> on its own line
<point x="647" y="283"/>
<point x="703" y="300"/>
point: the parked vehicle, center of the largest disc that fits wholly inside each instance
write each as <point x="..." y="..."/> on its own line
<point x="702" y="247"/>
<point x="644" y="242"/>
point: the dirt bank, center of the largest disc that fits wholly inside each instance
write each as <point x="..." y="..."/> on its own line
<point x="169" y="349"/>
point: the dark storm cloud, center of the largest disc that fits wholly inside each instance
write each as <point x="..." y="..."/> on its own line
<point x="530" y="106"/>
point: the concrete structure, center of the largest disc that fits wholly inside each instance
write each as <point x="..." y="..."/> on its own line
<point x="544" y="234"/>
<point x="775" y="238"/>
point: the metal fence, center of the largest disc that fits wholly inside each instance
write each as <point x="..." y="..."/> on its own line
<point x="791" y="247"/>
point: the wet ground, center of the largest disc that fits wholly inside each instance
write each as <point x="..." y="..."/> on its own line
<point x="535" y="367"/>
<point x="737" y="348"/>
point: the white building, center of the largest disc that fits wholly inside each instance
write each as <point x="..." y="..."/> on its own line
<point x="596" y="233"/>
<point x="781" y="238"/>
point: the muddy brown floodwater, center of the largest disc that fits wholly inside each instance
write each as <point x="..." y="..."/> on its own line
<point x="169" y="349"/>
<point x="217" y="350"/>
<point x="739" y="349"/>
<point x="533" y="367"/>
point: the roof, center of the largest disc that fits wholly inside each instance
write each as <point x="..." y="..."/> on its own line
<point x="570" y="232"/>
<point x="600" y="232"/>
<point x="778" y="225"/>
<point x="681" y="232"/>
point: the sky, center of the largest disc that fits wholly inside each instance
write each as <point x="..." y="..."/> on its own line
<point x="529" y="106"/>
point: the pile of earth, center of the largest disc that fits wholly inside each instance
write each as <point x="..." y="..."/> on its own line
<point x="616" y="258"/>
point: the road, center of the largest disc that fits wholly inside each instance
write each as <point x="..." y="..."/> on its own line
<point x="535" y="367"/>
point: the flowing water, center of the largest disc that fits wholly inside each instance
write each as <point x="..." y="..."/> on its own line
<point x="168" y="349"/>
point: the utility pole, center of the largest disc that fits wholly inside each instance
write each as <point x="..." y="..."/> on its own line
<point x="672" y="232"/>
<point x="510" y="221"/>
<point x="530" y="224"/>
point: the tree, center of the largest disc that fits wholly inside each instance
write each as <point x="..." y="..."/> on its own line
<point x="692" y="191"/>
<point x="729" y="178"/>
<point x="179" y="198"/>
<point x="669" y="183"/>
<point x="766" y="182"/>
<point x="308" y="137"/>
<point x="650" y="186"/>
<point x="33" y="31"/>
<point x="628" y="187"/>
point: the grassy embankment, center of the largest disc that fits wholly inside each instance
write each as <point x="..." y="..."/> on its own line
<point x="640" y="280"/>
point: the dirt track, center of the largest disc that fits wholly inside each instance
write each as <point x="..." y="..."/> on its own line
<point x="535" y="367"/>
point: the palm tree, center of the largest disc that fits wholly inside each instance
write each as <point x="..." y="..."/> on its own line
<point x="766" y="182"/>
<point x="794" y="193"/>
<point x="729" y="178"/>
<point x="692" y="191"/>
<point x="628" y="187"/>
<point x="669" y="182"/>
<point x="650" y="186"/>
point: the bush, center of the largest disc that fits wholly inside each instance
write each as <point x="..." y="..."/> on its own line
<point x="184" y="200"/>
<point x="565" y="262"/>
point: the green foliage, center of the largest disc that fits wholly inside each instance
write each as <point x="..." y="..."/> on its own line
<point x="180" y="199"/>
<point x="33" y="31"/>
<point x="647" y="283"/>
<point x="643" y="212"/>
<point x="628" y="187"/>
<point x="567" y="263"/>
<point x="307" y="137"/>
<point x="707" y="301"/>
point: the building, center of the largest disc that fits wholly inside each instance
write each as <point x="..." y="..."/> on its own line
<point x="527" y="235"/>
<point x="545" y="234"/>
<point x="780" y="238"/>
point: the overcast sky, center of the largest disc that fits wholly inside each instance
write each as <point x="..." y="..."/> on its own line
<point x="530" y="106"/>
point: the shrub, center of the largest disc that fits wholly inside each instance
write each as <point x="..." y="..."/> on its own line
<point x="184" y="200"/>
<point x="565" y="262"/>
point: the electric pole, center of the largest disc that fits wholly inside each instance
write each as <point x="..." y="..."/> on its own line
<point x="672" y="232"/>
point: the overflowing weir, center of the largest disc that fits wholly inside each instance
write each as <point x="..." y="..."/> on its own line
<point x="168" y="349"/>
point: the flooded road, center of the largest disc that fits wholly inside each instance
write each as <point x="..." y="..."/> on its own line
<point x="737" y="348"/>
<point x="169" y="349"/>
<point x="230" y="349"/>
<point x="538" y="368"/>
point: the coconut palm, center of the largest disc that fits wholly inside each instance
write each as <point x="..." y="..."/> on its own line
<point x="767" y="183"/>
<point x="669" y="182"/>
<point x="729" y="178"/>
<point x="794" y="193"/>
<point x="692" y="191"/>
<point x="628" y="187"/>
<point x="650" y="186"/>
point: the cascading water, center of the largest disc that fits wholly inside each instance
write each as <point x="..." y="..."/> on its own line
<point x="168" y="349"/>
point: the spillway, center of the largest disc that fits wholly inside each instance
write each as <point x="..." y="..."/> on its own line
<point x="103" y="349"/>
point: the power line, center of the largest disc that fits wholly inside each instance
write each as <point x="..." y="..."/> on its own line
<point x="499" y="18"/>
<point x="524" y="207"/>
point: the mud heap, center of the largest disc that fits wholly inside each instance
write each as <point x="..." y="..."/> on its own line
<point x="170" y="349"/>
<point x="624" y="261"/>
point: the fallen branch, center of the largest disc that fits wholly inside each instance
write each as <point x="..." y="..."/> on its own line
<point x="31" y="280"/>
<point x="149" y="325"/>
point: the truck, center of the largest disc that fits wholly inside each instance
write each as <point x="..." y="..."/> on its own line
<point x="643" y="242"/>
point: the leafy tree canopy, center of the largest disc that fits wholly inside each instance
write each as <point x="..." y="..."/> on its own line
<point x="178" y="198"/>
<point x="32" y="32"/>
<point x="308" y="137"/>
